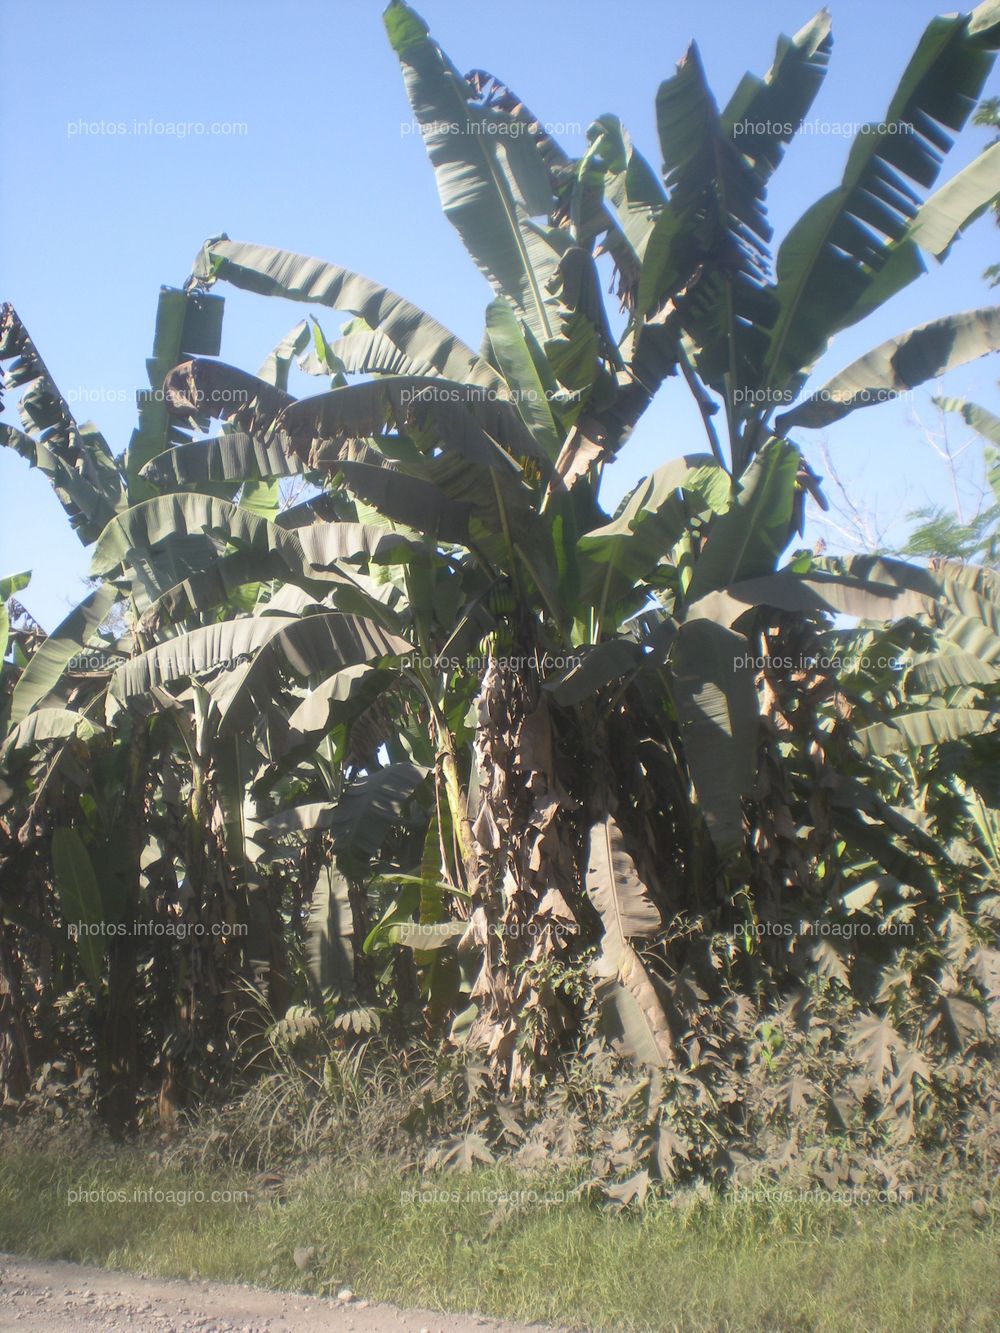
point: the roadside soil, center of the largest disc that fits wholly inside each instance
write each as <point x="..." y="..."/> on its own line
<point x="52" y="1296"/>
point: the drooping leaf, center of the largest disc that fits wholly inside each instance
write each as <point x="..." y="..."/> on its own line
<point x="235" y="457"/>
<point x="931" y="726"/>
<point x="370" y="808"/>
<point x="899" y="365"/>
<point x="326" y="544"/>
<point x="41" y="676"/>
<point x="970" y="635"/>
<point x="222" y="647"/>
<point x="457" y="417"/>
<point x="314" y="646"/>
<point x="234" y="581"/>
<point x="978" y="418"/>
<point x="338" y="699"/>
<point x="76" y="458"/>
<point x="596" y="666"/>
<point x="46" y="724"/>
<point x="329" y="952"/>
<point x="957" y="204"/>
<point x="830" y="593"/>
<point x="936" y="672"/>
<point x="719" y="716"/>
<point x="80" y="899"/>
<point x="875" y="842"/>
<point x="204" y="390"/>
<point x="412" y="501"/>
<point x="269" y="272"/>
<point x="130" y="535"/>
<point x="424" y="937"/>
<point x="306" y="818"/>
<point x="633" y="1011"/>
<point x="627" y="912"/>
<point x="618" y="894"/>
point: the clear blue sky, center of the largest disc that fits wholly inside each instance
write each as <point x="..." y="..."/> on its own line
<point x="95" y="222"/>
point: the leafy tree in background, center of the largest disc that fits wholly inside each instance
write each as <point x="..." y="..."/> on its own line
<point x="948" y="535"/>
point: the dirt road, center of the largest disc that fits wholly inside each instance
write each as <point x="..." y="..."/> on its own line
<point x="50" y="1297"/>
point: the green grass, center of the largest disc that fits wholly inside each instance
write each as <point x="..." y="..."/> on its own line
<point x="707" y="1265"/>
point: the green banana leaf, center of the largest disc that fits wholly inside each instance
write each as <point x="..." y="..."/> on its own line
<point x="42" y="675"/>
<point x="898" y="365"/>
<point x="746" y="541"/>
<point x="832" y="259"/>
<point x="718" y="710"/>
<point x="491" y="179"/>
<point x="236" y="458"/>
<point x="80" y="899"/>
<point x="270" y="272"/>
<point x="932" y="726"/>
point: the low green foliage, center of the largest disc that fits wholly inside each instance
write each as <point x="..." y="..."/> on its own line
<point x="502" y="1243"/>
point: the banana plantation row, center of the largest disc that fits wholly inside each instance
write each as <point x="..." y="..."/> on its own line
<point x="377" y="718"/>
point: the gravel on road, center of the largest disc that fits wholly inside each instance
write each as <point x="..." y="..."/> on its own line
<point x="52" y="1297"/>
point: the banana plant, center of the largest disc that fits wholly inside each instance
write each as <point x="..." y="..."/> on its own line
<point x="448" y="723"/>
<point x="494" y="459"/>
